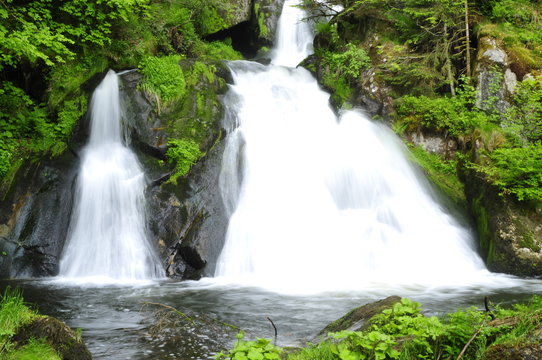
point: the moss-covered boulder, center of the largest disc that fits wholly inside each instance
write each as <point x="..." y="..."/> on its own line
<point x="186" y="215"/>
<point x="66" y="342"/>
<point x="509" y="232"/>
<point x="358" y="319"/>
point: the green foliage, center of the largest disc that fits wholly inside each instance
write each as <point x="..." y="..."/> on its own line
<point x="34" y="350"/>
<point x="516" y="25"/>
<point x="259" y="349"/>
<point x="48" y="32"/>
<point x="184" y="153"/>
<point x="456" y="116"/>
<point x="525" y="117"/>
<point x="341" y="70"/>
<point x="163" y="78"/>
<point x="216" y="50"/>
<point x="27" y="127"/>
<point x="402" y="332"/>
<point x="516" y="171"/>
<point x="348" y="63"/>
<point x="13" y="313"/>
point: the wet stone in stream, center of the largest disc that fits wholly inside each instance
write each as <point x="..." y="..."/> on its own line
<point x="175" y="334"/>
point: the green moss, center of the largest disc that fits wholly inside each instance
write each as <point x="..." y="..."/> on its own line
<point x="441" y="172"/>
<point x="216" y="50"/>
<point x="261" y="16"/>
<point x="482" y="228"/>
<point x="163" y="78"/>
<point x="65" y="81"/>
<point x="210" y="20"/>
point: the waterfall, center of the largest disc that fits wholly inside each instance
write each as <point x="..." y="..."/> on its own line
<point x="107" y="240"/>
<point x="323" y="203"/>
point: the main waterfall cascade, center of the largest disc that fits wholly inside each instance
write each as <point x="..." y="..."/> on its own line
<point x="107" y="239"/>
<point x="319" y="203"/>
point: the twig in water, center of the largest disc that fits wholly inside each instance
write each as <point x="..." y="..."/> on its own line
<point x="488" y="311"/>
<point x="274" y="327"/>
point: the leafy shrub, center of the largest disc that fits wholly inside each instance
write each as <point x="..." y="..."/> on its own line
<point x="452" y="115"/>
<point x="516" y="171"/>
<point x="348" y="63"/>
<point x="185" y="153"/>
<point x="341" y="70"/>
<point x="47" y="32"/>
<point x="258" y="349"/>
<point x="525" y="117"/>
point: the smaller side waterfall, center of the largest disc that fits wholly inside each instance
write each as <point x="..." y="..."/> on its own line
<point x="107" y="240"/>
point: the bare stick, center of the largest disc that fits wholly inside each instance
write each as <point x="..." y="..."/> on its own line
<point x="274" y="327"/>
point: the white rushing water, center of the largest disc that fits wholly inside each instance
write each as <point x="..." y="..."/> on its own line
<point x="107" y="240"/>
<point x="320" y="203"/>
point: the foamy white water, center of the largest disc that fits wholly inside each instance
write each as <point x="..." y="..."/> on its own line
<point x="294" y="36"/>
<point x="107" y="240"/>
<point x="320" y="203"/>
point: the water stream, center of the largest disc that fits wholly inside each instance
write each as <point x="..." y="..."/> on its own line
<point x="107" y="240"/>
<point x="321" y="202"/>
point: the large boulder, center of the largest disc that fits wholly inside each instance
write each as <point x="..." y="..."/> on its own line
<point x="358" y="319"/>
<point x="186" y="219"/>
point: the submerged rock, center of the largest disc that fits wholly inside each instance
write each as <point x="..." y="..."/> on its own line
<point x="67" y="343"/>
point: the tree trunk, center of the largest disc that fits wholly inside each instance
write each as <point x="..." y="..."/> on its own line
<point x="467" y="38"/>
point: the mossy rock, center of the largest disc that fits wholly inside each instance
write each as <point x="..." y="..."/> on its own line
<point x="509" y="232"/>
<point x="67" y="343"/>
<point x="358" y="319"/>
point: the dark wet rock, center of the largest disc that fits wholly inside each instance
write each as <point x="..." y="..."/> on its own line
<point x="67" y="343"/>
<point x="509" y="233"/>
<point x="358" y="319"/>
<point x="35" y="217"/>
<point x="186" y="220"/>
<point x="191" y="224"/>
